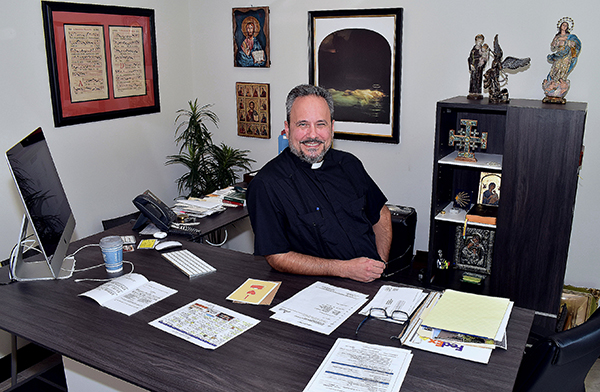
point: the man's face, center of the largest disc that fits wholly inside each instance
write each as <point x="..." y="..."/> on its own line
<point x="310" y="130"/>
<point x="250" y="29"/>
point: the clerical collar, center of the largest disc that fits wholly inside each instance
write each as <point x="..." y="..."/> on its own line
<point x="317" y="165"/>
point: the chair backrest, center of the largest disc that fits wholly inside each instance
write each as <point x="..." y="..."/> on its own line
<point x="114" y="222"/>
<point x="560" y="362"/>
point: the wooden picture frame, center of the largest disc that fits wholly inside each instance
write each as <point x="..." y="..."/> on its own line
<point x="356" y="54"/>
<point x="251" y="40"/>
<point x="101" y="61"/>
<point x="474" y="251"/>
<point x="253" y="108"/>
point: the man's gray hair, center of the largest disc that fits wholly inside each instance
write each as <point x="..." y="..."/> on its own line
<point x="305" y="90"/>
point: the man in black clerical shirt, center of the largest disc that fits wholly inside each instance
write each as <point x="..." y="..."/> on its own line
<point x="315" y="210"/>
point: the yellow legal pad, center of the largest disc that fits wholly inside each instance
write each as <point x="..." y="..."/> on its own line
<point x="468" y="313"/>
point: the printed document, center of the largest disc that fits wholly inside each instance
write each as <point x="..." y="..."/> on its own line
<point x="354" y="366"/>
<point x="392" y="298"/>
<point x="205" y="324"/>
<point x="320" y="307"/>
<point x="129" y="293"/>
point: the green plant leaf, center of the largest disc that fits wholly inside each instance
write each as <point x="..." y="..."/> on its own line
<point x="210" y="167"/>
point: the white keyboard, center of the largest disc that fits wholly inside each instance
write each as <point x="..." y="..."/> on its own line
<point x="188" y="263"/>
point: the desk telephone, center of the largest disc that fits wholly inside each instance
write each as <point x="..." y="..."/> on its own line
<point x="160" y="214"/>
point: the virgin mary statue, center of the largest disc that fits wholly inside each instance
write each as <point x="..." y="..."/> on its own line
<point x="565" y="47"/>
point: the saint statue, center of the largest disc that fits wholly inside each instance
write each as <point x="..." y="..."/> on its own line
<point x="565" y="47"/>
<point x="477" y="60"/>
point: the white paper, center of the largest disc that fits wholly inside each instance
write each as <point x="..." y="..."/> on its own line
<point x="354" y="366"/>
<point x="393" y="298"/>
<point x="129" y="293"/>
<point x="502" y="330"/>
<point x="205" y="324"/>
<point x="320" y="307"/>
<point x="199" y="208"/>
<point x="208" y="202"/>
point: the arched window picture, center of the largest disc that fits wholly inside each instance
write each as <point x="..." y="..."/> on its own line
<point x="354" y="66"/>
<point x="356" y="55"/>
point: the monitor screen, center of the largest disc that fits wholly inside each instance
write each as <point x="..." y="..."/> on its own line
<point x="42" y="193"/>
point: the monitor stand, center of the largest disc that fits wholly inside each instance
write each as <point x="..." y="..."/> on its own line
<point x="5" y="277"/>
<point x="20" y="269"/>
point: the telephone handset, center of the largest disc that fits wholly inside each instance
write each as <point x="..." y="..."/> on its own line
<point x="155" y="210"/>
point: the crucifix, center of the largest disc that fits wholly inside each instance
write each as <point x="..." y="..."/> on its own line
<point x="467" y="139"/>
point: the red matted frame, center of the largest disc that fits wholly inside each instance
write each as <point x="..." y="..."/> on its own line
<point x="118" y="83"/>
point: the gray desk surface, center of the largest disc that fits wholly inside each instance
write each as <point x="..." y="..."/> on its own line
<point x="271" y="356"/>
<point x="217" y="221"/>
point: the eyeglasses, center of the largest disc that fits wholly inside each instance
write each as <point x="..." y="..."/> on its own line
<point x="382" y="314"/>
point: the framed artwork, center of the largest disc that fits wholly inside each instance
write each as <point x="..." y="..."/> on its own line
<point x="462" y="199"/>
<point x="251" y="37"/>
<point x="253" y="109"/>
<point x="489" y="189"/>
<point x="474" y="250"/>
<point x="101" y="61"/>
<point x="356" y="55"/>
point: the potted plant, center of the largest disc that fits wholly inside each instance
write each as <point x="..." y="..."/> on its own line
<point x="211" y="166"/>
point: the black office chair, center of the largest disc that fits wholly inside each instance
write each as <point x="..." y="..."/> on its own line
<point x="561" y="361"/>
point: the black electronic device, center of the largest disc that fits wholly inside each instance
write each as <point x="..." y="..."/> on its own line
<point x="155" y="210"/>
<point x="404" y="223"/>
<point x="46" y="207"/>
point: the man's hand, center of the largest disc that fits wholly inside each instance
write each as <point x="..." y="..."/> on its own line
<point x="362" y="269"/>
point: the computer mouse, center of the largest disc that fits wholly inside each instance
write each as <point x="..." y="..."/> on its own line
<point x="159" y="234"/>
<point x="167" y="245"/>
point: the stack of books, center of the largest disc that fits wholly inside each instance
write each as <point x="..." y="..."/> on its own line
<point x="233" y="196"/>
<point x="482" y="213"/>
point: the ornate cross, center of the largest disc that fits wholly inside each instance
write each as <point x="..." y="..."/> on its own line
<point x="467" y="139"/>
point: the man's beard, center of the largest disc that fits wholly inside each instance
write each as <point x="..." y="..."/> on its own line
<point x="310" y="159"/>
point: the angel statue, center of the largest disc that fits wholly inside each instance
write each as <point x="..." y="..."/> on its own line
<point x="565" y="47"/>
<point x="495" y="77"/>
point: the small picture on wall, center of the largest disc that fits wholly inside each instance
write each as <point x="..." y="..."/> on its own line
<point x="251" y="37"/>
<point x="253" y="109"/>
<point x="474" y="250"/>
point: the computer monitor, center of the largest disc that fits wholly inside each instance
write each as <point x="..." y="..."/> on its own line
<point x="46" y="207"/>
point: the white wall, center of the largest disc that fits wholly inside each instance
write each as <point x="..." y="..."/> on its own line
<point x="103" y="165"/>
<point x="438" y="36"/>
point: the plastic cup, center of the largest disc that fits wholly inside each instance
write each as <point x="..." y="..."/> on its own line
<point x="112" y="253"/>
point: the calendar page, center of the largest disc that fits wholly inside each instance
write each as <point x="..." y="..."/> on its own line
<point x="205" y="324"/>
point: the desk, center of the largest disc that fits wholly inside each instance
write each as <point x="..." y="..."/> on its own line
<point x="272" y="356"/>
<point x="214" y="222"/>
